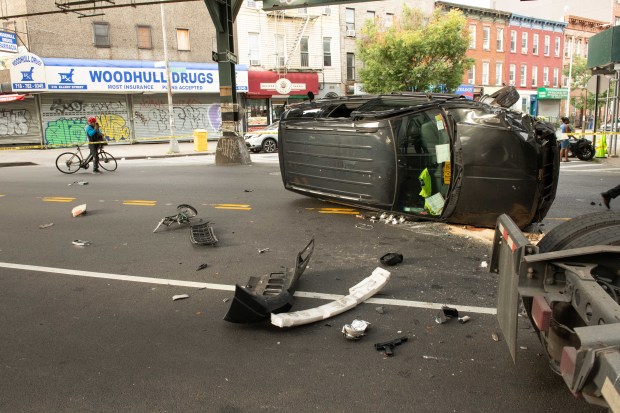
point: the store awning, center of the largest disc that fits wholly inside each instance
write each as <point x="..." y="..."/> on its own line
<point x="11" y="98"/>
<point x="267" y="83"/>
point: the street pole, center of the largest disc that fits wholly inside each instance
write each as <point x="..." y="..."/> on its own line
<point x="570" y="74"/>
<point x="174" y="145"/>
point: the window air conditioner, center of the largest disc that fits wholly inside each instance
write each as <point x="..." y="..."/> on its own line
<point x="546" y="83"/>
<point x="350" y="33"/>
<point x="254" y="62"/>
<point x="512" y="83"/>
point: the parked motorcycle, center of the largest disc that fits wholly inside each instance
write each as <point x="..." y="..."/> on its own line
<point x="581" y="148"/>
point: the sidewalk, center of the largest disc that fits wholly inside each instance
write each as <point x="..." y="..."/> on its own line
<point x="119" y="151"/>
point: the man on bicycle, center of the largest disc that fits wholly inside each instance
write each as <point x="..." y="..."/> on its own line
<point x="94" y="135"/>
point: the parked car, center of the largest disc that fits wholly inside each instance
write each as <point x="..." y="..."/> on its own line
<point x="265" y="139"/>
<point x="437" y="157"/>
<point x="607" y="126"/>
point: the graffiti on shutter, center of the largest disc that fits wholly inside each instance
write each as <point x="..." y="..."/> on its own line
<point x="19" y="122"/>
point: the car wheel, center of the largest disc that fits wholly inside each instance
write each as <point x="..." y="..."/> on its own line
<point x="586" y="153"/>
<point x="270" y="145"/>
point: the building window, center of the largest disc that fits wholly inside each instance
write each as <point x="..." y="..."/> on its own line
<point x="254" y="46"/>
<point x="350" y="19"/>
<point x="145" y="41"/>
<point x="512" y="74"/>
<point x="472" y="36"/>
<point x="499" y="73"/>
<point x="513" y="41"/>
<point x="556" y="76"/>
<point x="534" y="76"/>
<point x="523" y="76"/>
<point x="350" y="66"/>
<point x="183" y="39"/>
<point x="471" y="75"/>
<point x="617" y="20"/>
<point x="101" y="34"/>
<point x="370" y="15"/>
<point x="585" y="48"/>
<point x="547" y="41"/>
<point x="251" y="3"/>
<point x="486" y="38"/>
<point x="389" y="20"/>
<point x="485" y="73"/>
<point x="578" y="47"/>
<point x="280" y="48"/>
<point x="327" y="51"/>
<point x="303" y="50"/>
<point x="535" y="44"/>
<point x="557" y="46"/>
<point x="545" y="76"/>
<point x="524" y="43"/>
<point x="500" y="39"/>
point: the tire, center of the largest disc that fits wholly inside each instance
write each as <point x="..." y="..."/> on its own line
<point x="187" y="210"/>
<point x="585" y="152"/>
<point x="569" y="232"/>
<point x="270" y="145"/>
<point x="107" y="161"/>
<point x="68" y="163"/>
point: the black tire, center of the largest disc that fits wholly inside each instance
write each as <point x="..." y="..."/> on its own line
<point x="585" y="152"/>
<point x="187" y="210"/>
<point x="270" y="145"/>
<point x="569" y="232"/>
<point x="68" y="163"/>
<point x="107" y="161"/>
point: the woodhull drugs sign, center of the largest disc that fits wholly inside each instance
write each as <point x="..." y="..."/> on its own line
<point x="27" y="73"/>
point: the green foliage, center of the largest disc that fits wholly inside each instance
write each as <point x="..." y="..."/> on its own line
<point x="416" y="54"/>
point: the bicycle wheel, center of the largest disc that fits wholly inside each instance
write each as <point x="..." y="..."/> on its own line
<point x="187" y="210"/>
<point x="68" y="162"/>
<point x="107" y="161"/>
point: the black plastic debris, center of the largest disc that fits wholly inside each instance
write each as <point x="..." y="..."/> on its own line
<point x="388" y="346"/>
<point x="445" y="314"/>
<point x="202" y="234"/>
<point x="270" y="293"/>
<point x="391" y="258"/>
<point x="202" y="267"/>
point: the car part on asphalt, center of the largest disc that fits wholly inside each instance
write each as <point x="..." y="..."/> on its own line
<point x="179" y="297"/>
<point x="391" y="258"/>
<point x="78" y="210"/>
<point x="435" y="157"/>
<point x="388" y="346"/>
<point x="464" y="319"/>
<point x="445" y="314"/>
<point x="202" y="267"/>
<point x="202" y="234"/>
<point x="357" y="294"/>
<point x="355" y="330"/>
<point x="81" y="243"/>
<point x="270" y="293"/>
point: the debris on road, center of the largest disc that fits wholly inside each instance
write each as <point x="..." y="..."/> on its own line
<point x="80" y="243"/>
<point x="179" y="297"/>
<point x="445" y="314"/>
<point x="43" y="226"/>
<point x="202" y="234"/>
<point x="366" y="227"/>
<point x="484" y="264"/>
<point x="79" y="183"/>
<point x="464" y="319"/>
<point x="495" y="336"/>
<point x="357" y="294"/>
<point x="78" y="210"/>
<point x="202" y="267"/>
<point x="380" y="310"/>
<point x="388" y="346"/>
<point x="262" y="250"/>
<point x="355" y="330"/>
<point x="391" y="258"/>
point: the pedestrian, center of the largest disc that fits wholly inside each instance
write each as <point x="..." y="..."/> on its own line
<point x="310" y="96"/>
<point x="94" y="135"/>
<point x="566" y="129"/>
<point x="609" y="195"/>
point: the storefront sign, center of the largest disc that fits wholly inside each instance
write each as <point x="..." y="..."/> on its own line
<point x="78" y="75"/>
<point x="466" y="90"/>
<point x="545" y="93"/>
<point x="27" y="73"/>
<point x="8" y="42"/>
<point x="267" y="83"/>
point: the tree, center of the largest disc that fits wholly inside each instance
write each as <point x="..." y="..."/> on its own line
<point x="417" y="53"/>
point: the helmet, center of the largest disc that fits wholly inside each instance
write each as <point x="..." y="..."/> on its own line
<point x="92" y="119"/>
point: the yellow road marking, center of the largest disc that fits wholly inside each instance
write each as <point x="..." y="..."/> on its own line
<point x="237" y="207"/>
<point x="57" y="199"/>
<point x="139" y="202"/>
<point x="340" y="212"/>
<point x="558" y="219"/>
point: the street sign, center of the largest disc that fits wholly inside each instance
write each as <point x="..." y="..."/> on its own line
<point x="549" y="94"/>
<point x="231" y="57"/>
<point x="8" y="42"/>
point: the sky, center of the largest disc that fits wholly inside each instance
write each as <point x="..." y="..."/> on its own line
<point x="548" y="9"/>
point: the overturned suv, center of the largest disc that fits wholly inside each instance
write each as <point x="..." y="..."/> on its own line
<point x="439" y="156"/>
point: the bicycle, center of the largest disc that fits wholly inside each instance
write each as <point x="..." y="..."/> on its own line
<point x="184" y="215"/>
<point x="71" y="162"/>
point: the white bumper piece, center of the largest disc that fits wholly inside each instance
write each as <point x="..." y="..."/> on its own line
<point x="357" y="294"/>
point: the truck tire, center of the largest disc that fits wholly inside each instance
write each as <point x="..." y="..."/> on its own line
<point x="569" y="233"/>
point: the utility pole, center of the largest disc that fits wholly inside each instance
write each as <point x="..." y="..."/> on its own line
<point x="174" y="145"/>
<point x="570" y="74"/>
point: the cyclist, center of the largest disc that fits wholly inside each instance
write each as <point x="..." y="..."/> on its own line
<point x="94" y="135"/>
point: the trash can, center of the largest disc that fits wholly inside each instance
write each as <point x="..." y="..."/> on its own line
<point x="200" y="140"/>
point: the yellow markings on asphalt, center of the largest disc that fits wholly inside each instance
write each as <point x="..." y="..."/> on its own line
<point x="236" y="207"/>
<point x="342" y="211"/>
<point x="558" y="219"/>
<point x="57" y="199"/>
<point x="139" y="202"/>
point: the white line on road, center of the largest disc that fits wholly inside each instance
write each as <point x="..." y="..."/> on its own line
<point x="225" y="287"/>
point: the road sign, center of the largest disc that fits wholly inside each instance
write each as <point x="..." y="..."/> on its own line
<point x="231" y="57"/>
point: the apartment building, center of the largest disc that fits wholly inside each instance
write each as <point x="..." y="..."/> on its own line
<point x="110" y="64"/>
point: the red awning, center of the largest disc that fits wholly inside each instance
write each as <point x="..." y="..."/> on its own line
<point x="267" y="83"/>
<point x="11" y="98"/>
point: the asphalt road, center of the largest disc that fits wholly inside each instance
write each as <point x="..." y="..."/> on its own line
<point x="95" y="329"/>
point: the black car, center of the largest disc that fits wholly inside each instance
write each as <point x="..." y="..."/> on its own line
<point x="432" y="156"/>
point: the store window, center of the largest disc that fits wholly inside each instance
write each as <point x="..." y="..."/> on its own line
<point x="257" y="111"/>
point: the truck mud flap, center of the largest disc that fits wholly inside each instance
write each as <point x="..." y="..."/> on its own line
<point x="270" y="293"/>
